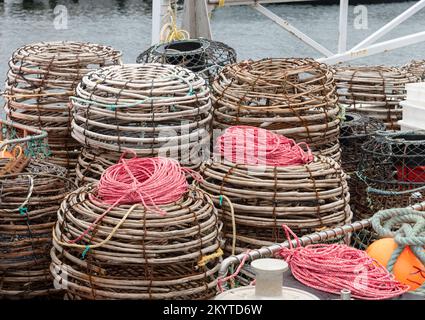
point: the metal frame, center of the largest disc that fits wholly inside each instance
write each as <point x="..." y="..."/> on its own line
<point x="267" y="252"/>
<point x="159" y="8"/>
<point x="365" y="48"/>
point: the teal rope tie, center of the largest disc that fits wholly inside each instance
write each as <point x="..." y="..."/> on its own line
<point x="86" y="250"/>
<point x="221" y="201"/>
<point x="410" y="226"/>
<point x="23" y="211"/>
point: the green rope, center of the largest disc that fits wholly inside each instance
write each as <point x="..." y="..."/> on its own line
<point x="393" y="193"/>
<point x="37" y="148"/>
<point x="410" y="231"/>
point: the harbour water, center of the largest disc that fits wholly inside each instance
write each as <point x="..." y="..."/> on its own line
<point x="126" y="25"/>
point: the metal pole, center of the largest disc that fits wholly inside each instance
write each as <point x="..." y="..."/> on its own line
<point x="156" y="20"/>
<point x="376" y="48"/>
<point x="391" y="25"/>
<point x="291" y="29"/>
<point x="266" y="252"/>
<point x="159" y="7"/>
<point x="196" y="20"/>
<point x="343" y="17"/>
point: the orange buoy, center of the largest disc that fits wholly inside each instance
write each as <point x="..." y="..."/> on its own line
<point x="15" y="153"/>
<point x="6" y="155"/>
<point x="408" y="269"/>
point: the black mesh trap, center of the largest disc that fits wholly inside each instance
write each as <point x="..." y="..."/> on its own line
<point x="391" y="172"/>
<point x="205" y="57"/>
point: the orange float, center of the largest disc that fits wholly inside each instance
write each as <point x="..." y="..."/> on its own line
<point x="16" y="153"/>
<point x="408" y="269"/>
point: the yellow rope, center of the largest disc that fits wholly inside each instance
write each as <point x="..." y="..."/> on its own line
<point x="232" y="213"/>
<point x="221" y="3"/>
<point x="205" y="259"/>
<point x="86" y="247"/>
<point x="174" y="33"/>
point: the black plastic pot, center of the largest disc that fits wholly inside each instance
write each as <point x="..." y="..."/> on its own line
<point x="186" y="53"/>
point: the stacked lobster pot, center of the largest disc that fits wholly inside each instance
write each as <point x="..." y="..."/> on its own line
<point x="374" y="91"/>
<point x="262" y="180"/>
<point x="41" y="79"/>
<point x="417" y="68"/>
<point x="293" y="97"/>
<point x="31" y="191"/>
<point x="202" y="56"/>
<point x="147" y="109"/>
<point x="141" y="233"/>
<point x="391" y="173"/>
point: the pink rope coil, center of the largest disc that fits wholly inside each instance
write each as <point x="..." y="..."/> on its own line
<point x="333" y="267"/>
<point x="256" y="146"/>
<point x="149" y="181"/>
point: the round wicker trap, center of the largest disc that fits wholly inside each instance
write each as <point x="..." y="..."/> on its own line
<point x="28" y="211"/>
<point x="149" y="109"/>
<point x="306" y="197"/>
<point x="41" y="78"/>
<point x="375" y="91"/>
<point x="417" y="68"/>
<point x="150" y="256"/>
<point x="293" y="97"/>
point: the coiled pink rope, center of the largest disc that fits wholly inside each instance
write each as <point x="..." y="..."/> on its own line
<point x="256" y="146"/>
<point x="333" y="267"/>
<point x="149" y="181"/>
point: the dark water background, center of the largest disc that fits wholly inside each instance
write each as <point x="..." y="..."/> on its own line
<point x="126" y="25"/>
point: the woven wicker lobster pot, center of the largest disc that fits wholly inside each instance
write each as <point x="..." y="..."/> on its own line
<point x="375" y="91"/>
<point x="28" y="209"/>
<point x="92" y="163"/>
<point x="304" y="197"/>
<point x="148" y="109"/>
<point x="391" y="173"/>
<point x="202" y="56"/>
<point x="41" y="79"/>
<point x="417" y="68"/>
<point x="293" y="97"/>
<point x="151" y="256"/>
